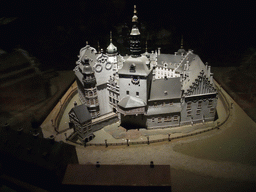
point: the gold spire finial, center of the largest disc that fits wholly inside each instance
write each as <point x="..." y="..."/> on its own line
<point x="110" y="36"/>
<point x="98" y="46"/>
<point x="135" y="17"/>
<point x="86" y="42"/>
<point x="146" y="46"/>
<point x="181" y="43"/>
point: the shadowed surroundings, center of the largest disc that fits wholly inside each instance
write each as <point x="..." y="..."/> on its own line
<point x="39" y="45"/>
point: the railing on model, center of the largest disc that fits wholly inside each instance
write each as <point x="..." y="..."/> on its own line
<point x="63" y="104"/>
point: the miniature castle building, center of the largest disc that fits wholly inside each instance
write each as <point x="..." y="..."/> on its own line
<point x="152" y="90"/>
<point x="81" y="119"/>
<point x="86" y="83"/>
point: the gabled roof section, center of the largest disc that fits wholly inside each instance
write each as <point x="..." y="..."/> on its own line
<point x="131" y="102"/>
<point x="162" y="89"/>
<point x="196" y="66"/>
<point x="81" y="113"/>
<point x="140" y="64"/>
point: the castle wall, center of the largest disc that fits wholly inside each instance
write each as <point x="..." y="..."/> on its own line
<point x="163" y="120"/>
<point x="198" y="109"/>
<point x="126" y="84"/>
<point x="103" y="97"/>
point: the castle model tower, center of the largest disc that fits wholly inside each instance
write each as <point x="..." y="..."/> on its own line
<point x="134" y="82"/>
<point x="87" y="87"/>
<point x="135" y="48"/>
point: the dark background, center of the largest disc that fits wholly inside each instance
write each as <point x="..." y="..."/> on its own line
<point x="54" y="31"/>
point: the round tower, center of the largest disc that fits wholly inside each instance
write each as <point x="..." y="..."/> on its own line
<point x="90" y="90"/>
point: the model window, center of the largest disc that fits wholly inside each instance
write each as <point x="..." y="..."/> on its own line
<point x="127" y="92"/>
<point x="165" y="118"/>
<point x="159" y="119"/>
<point x="210" y="103"/>
<point x="90" y="93"/>
<point x="189" y="105"/>
<point x="199" y="106"/>
<point x="137" y="93"/>
<point x="175" y="118"/>
<point x="110" y="99"/>
<point x="155" y="104"/>
<point x="114" y="101"/>
<point x="171" y="103"/>
<point x="212" y="110"/>
<point x="198" y="112"/>
<point x="189" y="113"/>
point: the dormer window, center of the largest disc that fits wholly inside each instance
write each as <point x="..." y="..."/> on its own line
<point x="133" y="68"/>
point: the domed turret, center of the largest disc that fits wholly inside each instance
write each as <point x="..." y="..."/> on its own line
<point x="181" y="51"/>
<point x="111" y="49"/>
<point x="87" y="69"/>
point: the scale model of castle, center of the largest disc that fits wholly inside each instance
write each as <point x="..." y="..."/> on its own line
<point x="146" y="90"/>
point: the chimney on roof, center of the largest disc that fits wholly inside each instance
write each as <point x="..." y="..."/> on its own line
<point x="209" y="70"/>
<point x="158" y="53"/>
<point x="75" y="103"/>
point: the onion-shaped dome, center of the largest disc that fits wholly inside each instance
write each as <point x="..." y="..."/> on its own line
<point x="111" y="48"/>
<point x="87" y="69"/>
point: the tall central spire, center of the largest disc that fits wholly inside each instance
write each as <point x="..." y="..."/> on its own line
<point x="135" y="17"/>
<point x="135" y="48"/>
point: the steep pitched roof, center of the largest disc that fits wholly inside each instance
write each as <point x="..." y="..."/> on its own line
<point x="170" y="59"/>
<point x="176" y="107"/>
<point x="131" y="102"/>
<point x="162" y="89"/>
<point x="81" y="113"/>
<point x="196" y="66"/>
